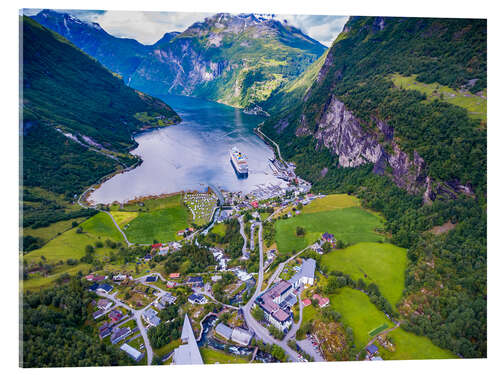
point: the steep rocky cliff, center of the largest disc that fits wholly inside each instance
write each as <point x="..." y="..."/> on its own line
<point x="354" y="111"/>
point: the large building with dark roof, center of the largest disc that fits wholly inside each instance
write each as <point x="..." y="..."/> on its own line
<point x="271" y="303"/>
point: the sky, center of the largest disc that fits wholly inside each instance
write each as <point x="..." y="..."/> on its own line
<point x="149" y="27"/>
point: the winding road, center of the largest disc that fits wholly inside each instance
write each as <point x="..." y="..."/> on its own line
<point x="259" y="330"/>
<point x="242" y="232"/>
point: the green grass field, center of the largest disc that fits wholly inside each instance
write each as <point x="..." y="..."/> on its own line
<point x="410" y="346"/>
<point x="211" y="356"/>
<point x="71" y="245"/>
<point x="358" y="313"/>
<point x="42" y="282"/>
<point x="53" y="230"/>
<point x="219" y="229"/>
<point x="331" y="202"/>
<point x="124" y="217"/>
<point x="377" y="330"/>
<point x="384" y="264"/>
<point x="351" y="225"/>
<point x="475" y="105"/>
<point x="161" y="225"/>
<point x="160" y="352"/>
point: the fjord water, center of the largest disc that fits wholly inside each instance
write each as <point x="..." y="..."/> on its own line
<point x="193" y="154"/>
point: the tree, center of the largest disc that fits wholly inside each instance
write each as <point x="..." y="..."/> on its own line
<point x="300" y="231"/>
<point x="326" y="247"/>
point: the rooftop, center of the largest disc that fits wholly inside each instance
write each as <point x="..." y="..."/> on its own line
<point x="189" y="353"/>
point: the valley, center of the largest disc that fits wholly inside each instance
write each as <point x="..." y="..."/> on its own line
<point x="330" y="249"/>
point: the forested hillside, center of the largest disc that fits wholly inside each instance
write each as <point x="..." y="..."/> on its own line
<point x="421" y="162"/>
<point x="77" y="122"/>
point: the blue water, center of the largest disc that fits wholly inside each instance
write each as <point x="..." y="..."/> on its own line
<point x="193" y="154"/>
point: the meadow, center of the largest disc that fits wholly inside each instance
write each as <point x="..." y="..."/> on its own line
<point x="160" y="225"/>
<point x="383" y="264"/>
<point x="331" y="202"/>
<point x="475" y="105"/>
<point x="363" y="317"/>
<point x="211" y="356"/>
<point x="358" y="313"/>
<point x="71" y="245"/>
<point x="351" y="225"/>
<point x="410" y="346"/>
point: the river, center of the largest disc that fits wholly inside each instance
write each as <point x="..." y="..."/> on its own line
<point x="193" y="154"/>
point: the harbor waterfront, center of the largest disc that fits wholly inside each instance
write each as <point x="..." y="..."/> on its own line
<point x="194" y="154"/>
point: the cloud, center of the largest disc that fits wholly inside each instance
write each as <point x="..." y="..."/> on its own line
<point x="322" y="28"/>
<point x="149" y="27"/>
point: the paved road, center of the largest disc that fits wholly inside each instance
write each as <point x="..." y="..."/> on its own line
<point x="250" y="320"/>
<point x="242" y="232"/>
<point x="119" y="229"/>
<point x="137" y="316"/>
<point x="295" y="326"/>
<point x="280" y="267"/>
<point x="252" y="240"/>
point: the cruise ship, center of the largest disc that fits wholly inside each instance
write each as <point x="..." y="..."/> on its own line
<point x="239" y="162"/>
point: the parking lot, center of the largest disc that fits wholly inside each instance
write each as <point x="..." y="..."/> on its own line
<point x="308" y="346"/>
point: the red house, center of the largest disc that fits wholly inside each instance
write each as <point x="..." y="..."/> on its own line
<point x="156" y="245"/>
<point x="255" y="204"/>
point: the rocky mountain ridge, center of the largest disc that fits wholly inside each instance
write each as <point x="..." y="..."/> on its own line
<point x="238" y="60"/>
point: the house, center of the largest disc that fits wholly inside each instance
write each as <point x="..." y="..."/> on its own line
<point x="148" y="257"/>
<point x="306" y="274"/>
<point x="171" y="284"/>
<point x="174" y="275"/>
<point x="120" y="334"/>
<point x="132" y="352"/>
<point x="150" y="316"/>
<point x="119" y="277"/>
<point x="306" y="302"/>
<point x="322" y="301"/>
<point x="163" y="251"/>
<point x="198" y="299"/>
<point x="93" y="277"/>
<point x="169" y="298"/>
<point x="224" y="331"/>
<point x="188" y="353"/>
<point x="371" y="349"/>
<point x="216" y="278"/>
<point x="180" y="233"/>
<point x="254" y="204"/>
<point x="241" y="336"/>
<point x="104" y="304"/>
<point x="330" y="238"/>
<point x="93" y="287"/>
<point x="105" y="330"/>
<point x="151" y="279"/>
<point x="104" y="288"/>
<point x="175" y="245"/>
<point x="156" y="245"/>
<point x="115" y="315"/>
<point x="194" y="280"/>
<point x="99" y="313"/>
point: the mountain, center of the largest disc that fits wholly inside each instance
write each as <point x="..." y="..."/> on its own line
<point x="355" y="111"/>
<point x="391" y="117"/>
<point x="120" y="55"/>
<point x="77" y="121"/>
<point x="234" y="59"/>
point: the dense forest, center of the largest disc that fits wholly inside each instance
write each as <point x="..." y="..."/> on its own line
<point x="445" y="291"/>
<point x="53" y="332"/>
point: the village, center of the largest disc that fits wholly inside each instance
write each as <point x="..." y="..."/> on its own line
<point x="126" y="308"/>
